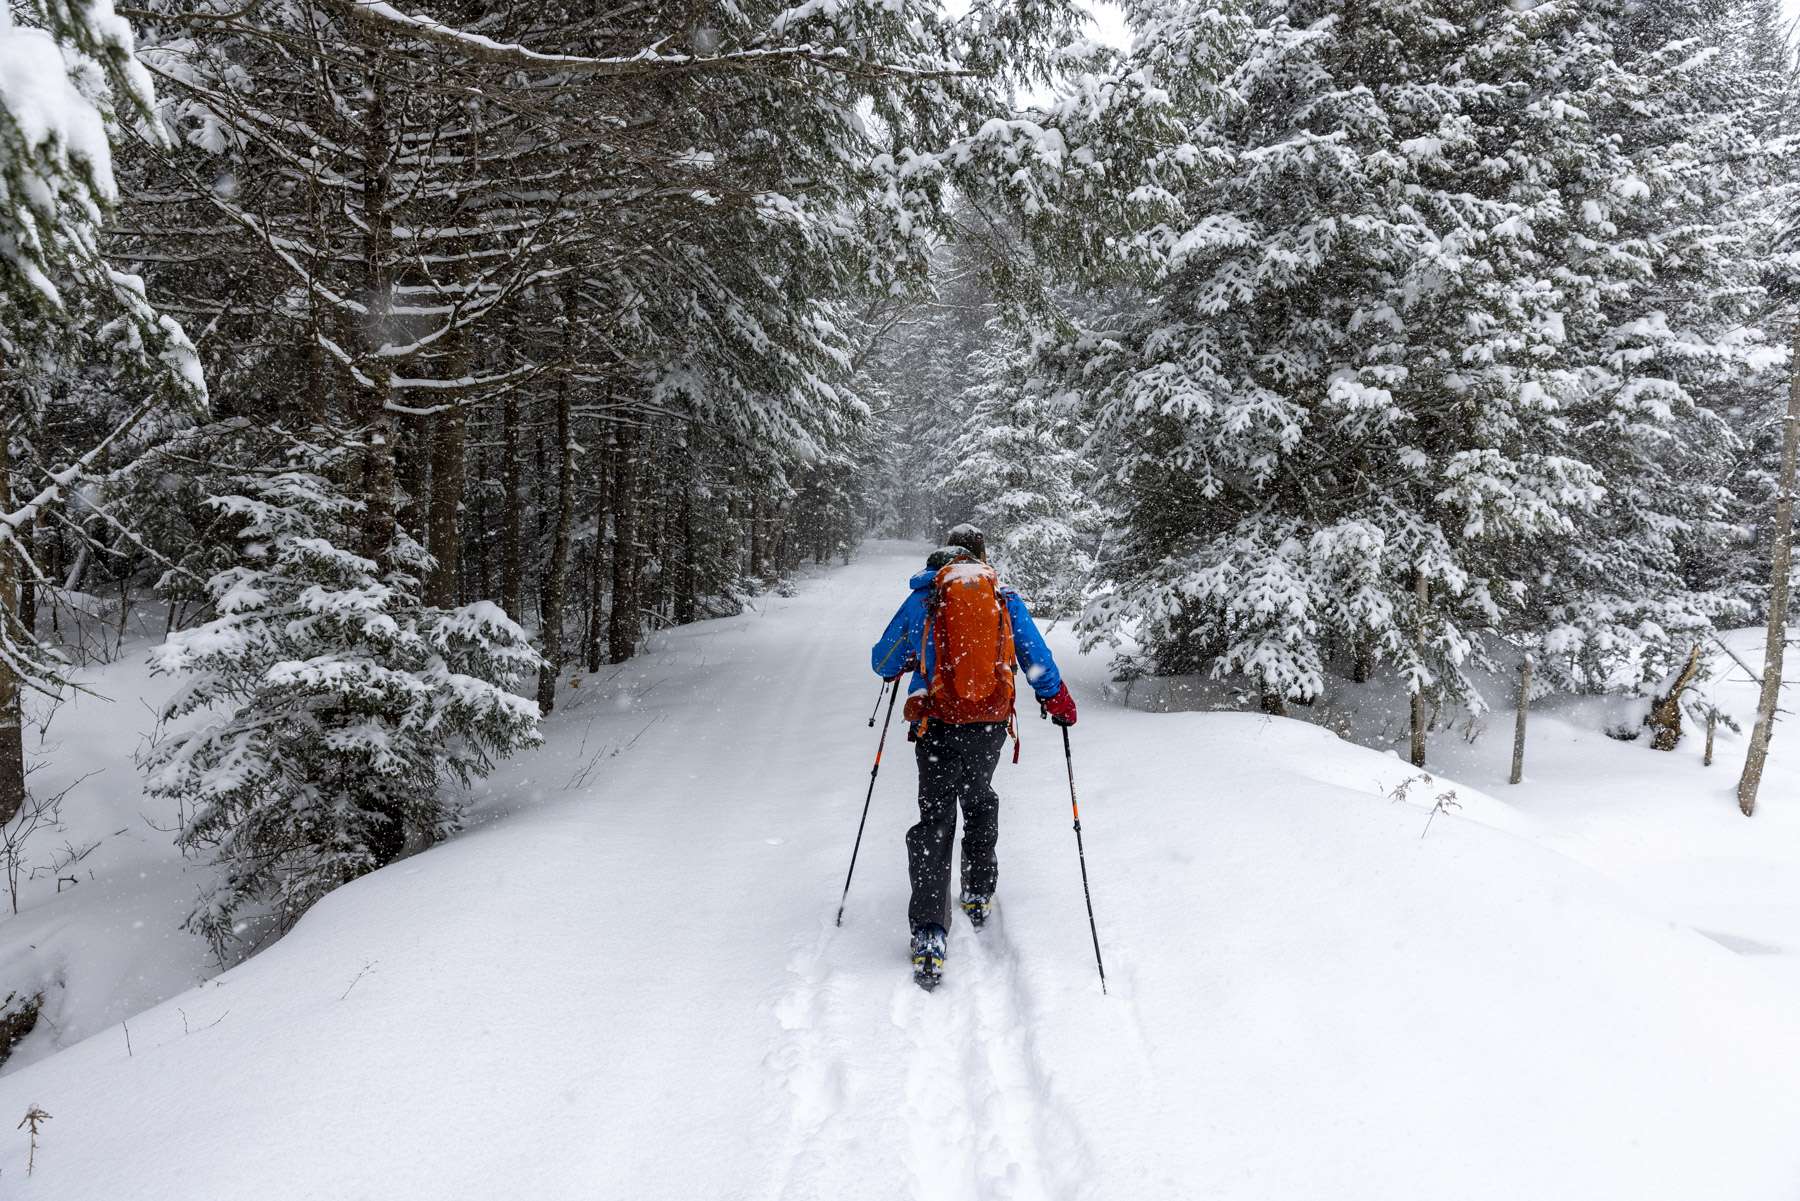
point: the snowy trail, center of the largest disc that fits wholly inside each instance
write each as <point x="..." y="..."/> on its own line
<point x="892" y="1092"/>
<point x="623" y="982"/>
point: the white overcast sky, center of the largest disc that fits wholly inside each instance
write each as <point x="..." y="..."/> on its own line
<point x="1109" y="23"/>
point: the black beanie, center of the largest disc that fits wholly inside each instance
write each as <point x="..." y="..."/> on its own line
<point x="970" y="538"/>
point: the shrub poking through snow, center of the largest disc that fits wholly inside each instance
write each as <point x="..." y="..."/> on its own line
<point x="329" y="707"/>
<point x="18" y="1017"/>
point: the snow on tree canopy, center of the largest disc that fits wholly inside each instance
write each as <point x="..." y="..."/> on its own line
<point x="1435" y="314"/>
<point x="55" y="131"/>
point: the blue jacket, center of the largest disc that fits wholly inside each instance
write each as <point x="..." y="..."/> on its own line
<point x="901" y="641"/>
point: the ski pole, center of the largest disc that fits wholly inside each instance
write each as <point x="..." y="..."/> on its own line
<point x="873" y="771"/>
<point x="877" y="708"/>
<point x="1080" y="852"/>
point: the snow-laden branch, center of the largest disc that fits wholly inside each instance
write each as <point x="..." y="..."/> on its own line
<point x="381" y="15"/>
<point x="61" y="481"/>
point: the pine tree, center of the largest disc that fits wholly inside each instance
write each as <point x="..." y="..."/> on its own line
<point x="1431" y="304"/>
<point x="1338" y="399"/>
<point x="1662" y="300"/>
<point x="325" y="710"/>
<point x="1759" y="46"/>
<point x="1017" y="470"/>
<point x="66" y="76"/>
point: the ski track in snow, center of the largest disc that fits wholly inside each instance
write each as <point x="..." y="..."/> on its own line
<point x="953" y="1089"/>
<point x="1016" y="1142"/>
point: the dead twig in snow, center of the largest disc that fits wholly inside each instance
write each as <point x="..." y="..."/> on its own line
<point x="366" y="969"/>
<point x="34" y="1117"/>
<point x="1446" y="801"/>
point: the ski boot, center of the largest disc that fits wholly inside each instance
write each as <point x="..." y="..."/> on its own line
<point x="977" y="907"/>
<point x="928" y="956"/>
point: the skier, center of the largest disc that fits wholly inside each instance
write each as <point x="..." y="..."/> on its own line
<point x="962" y="636"/>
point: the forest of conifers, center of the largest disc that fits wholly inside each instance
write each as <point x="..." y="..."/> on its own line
<point x="404" y="360"/>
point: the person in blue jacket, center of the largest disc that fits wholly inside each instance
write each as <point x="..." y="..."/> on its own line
<point x="957" y="762"/>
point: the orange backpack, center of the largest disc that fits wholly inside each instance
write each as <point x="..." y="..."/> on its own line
<point x="971" y="646"/>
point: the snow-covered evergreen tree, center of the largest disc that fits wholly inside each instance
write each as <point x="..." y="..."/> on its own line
<point x="326" y="711"/>
<point x="68" y="79"/>
<point x="67" y="76"/>
<point x="1431" y="292"/>
<point x="1017" y="470"/>
<point x="1338" y="397"/>
<point x="1659" y="273"/>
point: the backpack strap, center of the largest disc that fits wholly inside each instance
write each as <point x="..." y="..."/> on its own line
<point x="1011" y="662"/>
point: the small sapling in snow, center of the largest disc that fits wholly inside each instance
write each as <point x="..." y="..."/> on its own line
<point x="1444" y="802"/>
<point x="34" y="1118"/>
<point x="37" y="813"/>
<point x="338" y="715"/>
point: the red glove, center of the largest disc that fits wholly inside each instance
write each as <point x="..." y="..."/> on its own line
<point x="1061" y="707"/>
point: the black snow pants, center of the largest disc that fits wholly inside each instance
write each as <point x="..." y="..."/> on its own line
<point x="956" y="768"/>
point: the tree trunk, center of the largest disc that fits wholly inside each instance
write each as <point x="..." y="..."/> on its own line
<point x="443" y="531"/>
<point x="1665" y="711"/>
<point x="378" y="456"/>
<point x="449" y="482"/>
<point x="603" y="504"/>
<point x="318" y="369"/>
<point x="779" y="535"/>
<point x="1781" y="558"/>
<point x="556" y="571"/>
<point x="378" y="481"/>
<point x="757" y="550"/>
<point x="12" y="716"/>
<point x="512" y="514"/>
<point x="483" y="570"/>
<point x="315" y="395"/>
<point x="387" y="841"/>
<point x="622" y="626"/>
<point x="686" y="600"/>
<point x="1712" y="726"/>
<point x="540" y="484"/>
<point x="28" y="593"/>
<point x="1421" y="589"/>
<point x="596" y="617"/>
<point x="416" y="463"/>
<point x="648" y="518"/>
<point x="1518" y="763"/>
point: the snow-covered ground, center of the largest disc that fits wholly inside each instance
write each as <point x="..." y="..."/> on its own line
<point x="102" y="893"/>
<point x="1666" y="827"/>
<point x="624" y="982"/>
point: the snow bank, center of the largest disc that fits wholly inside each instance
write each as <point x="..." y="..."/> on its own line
<point x="102" y="893"/>
<point x="1340" y="1004"/>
